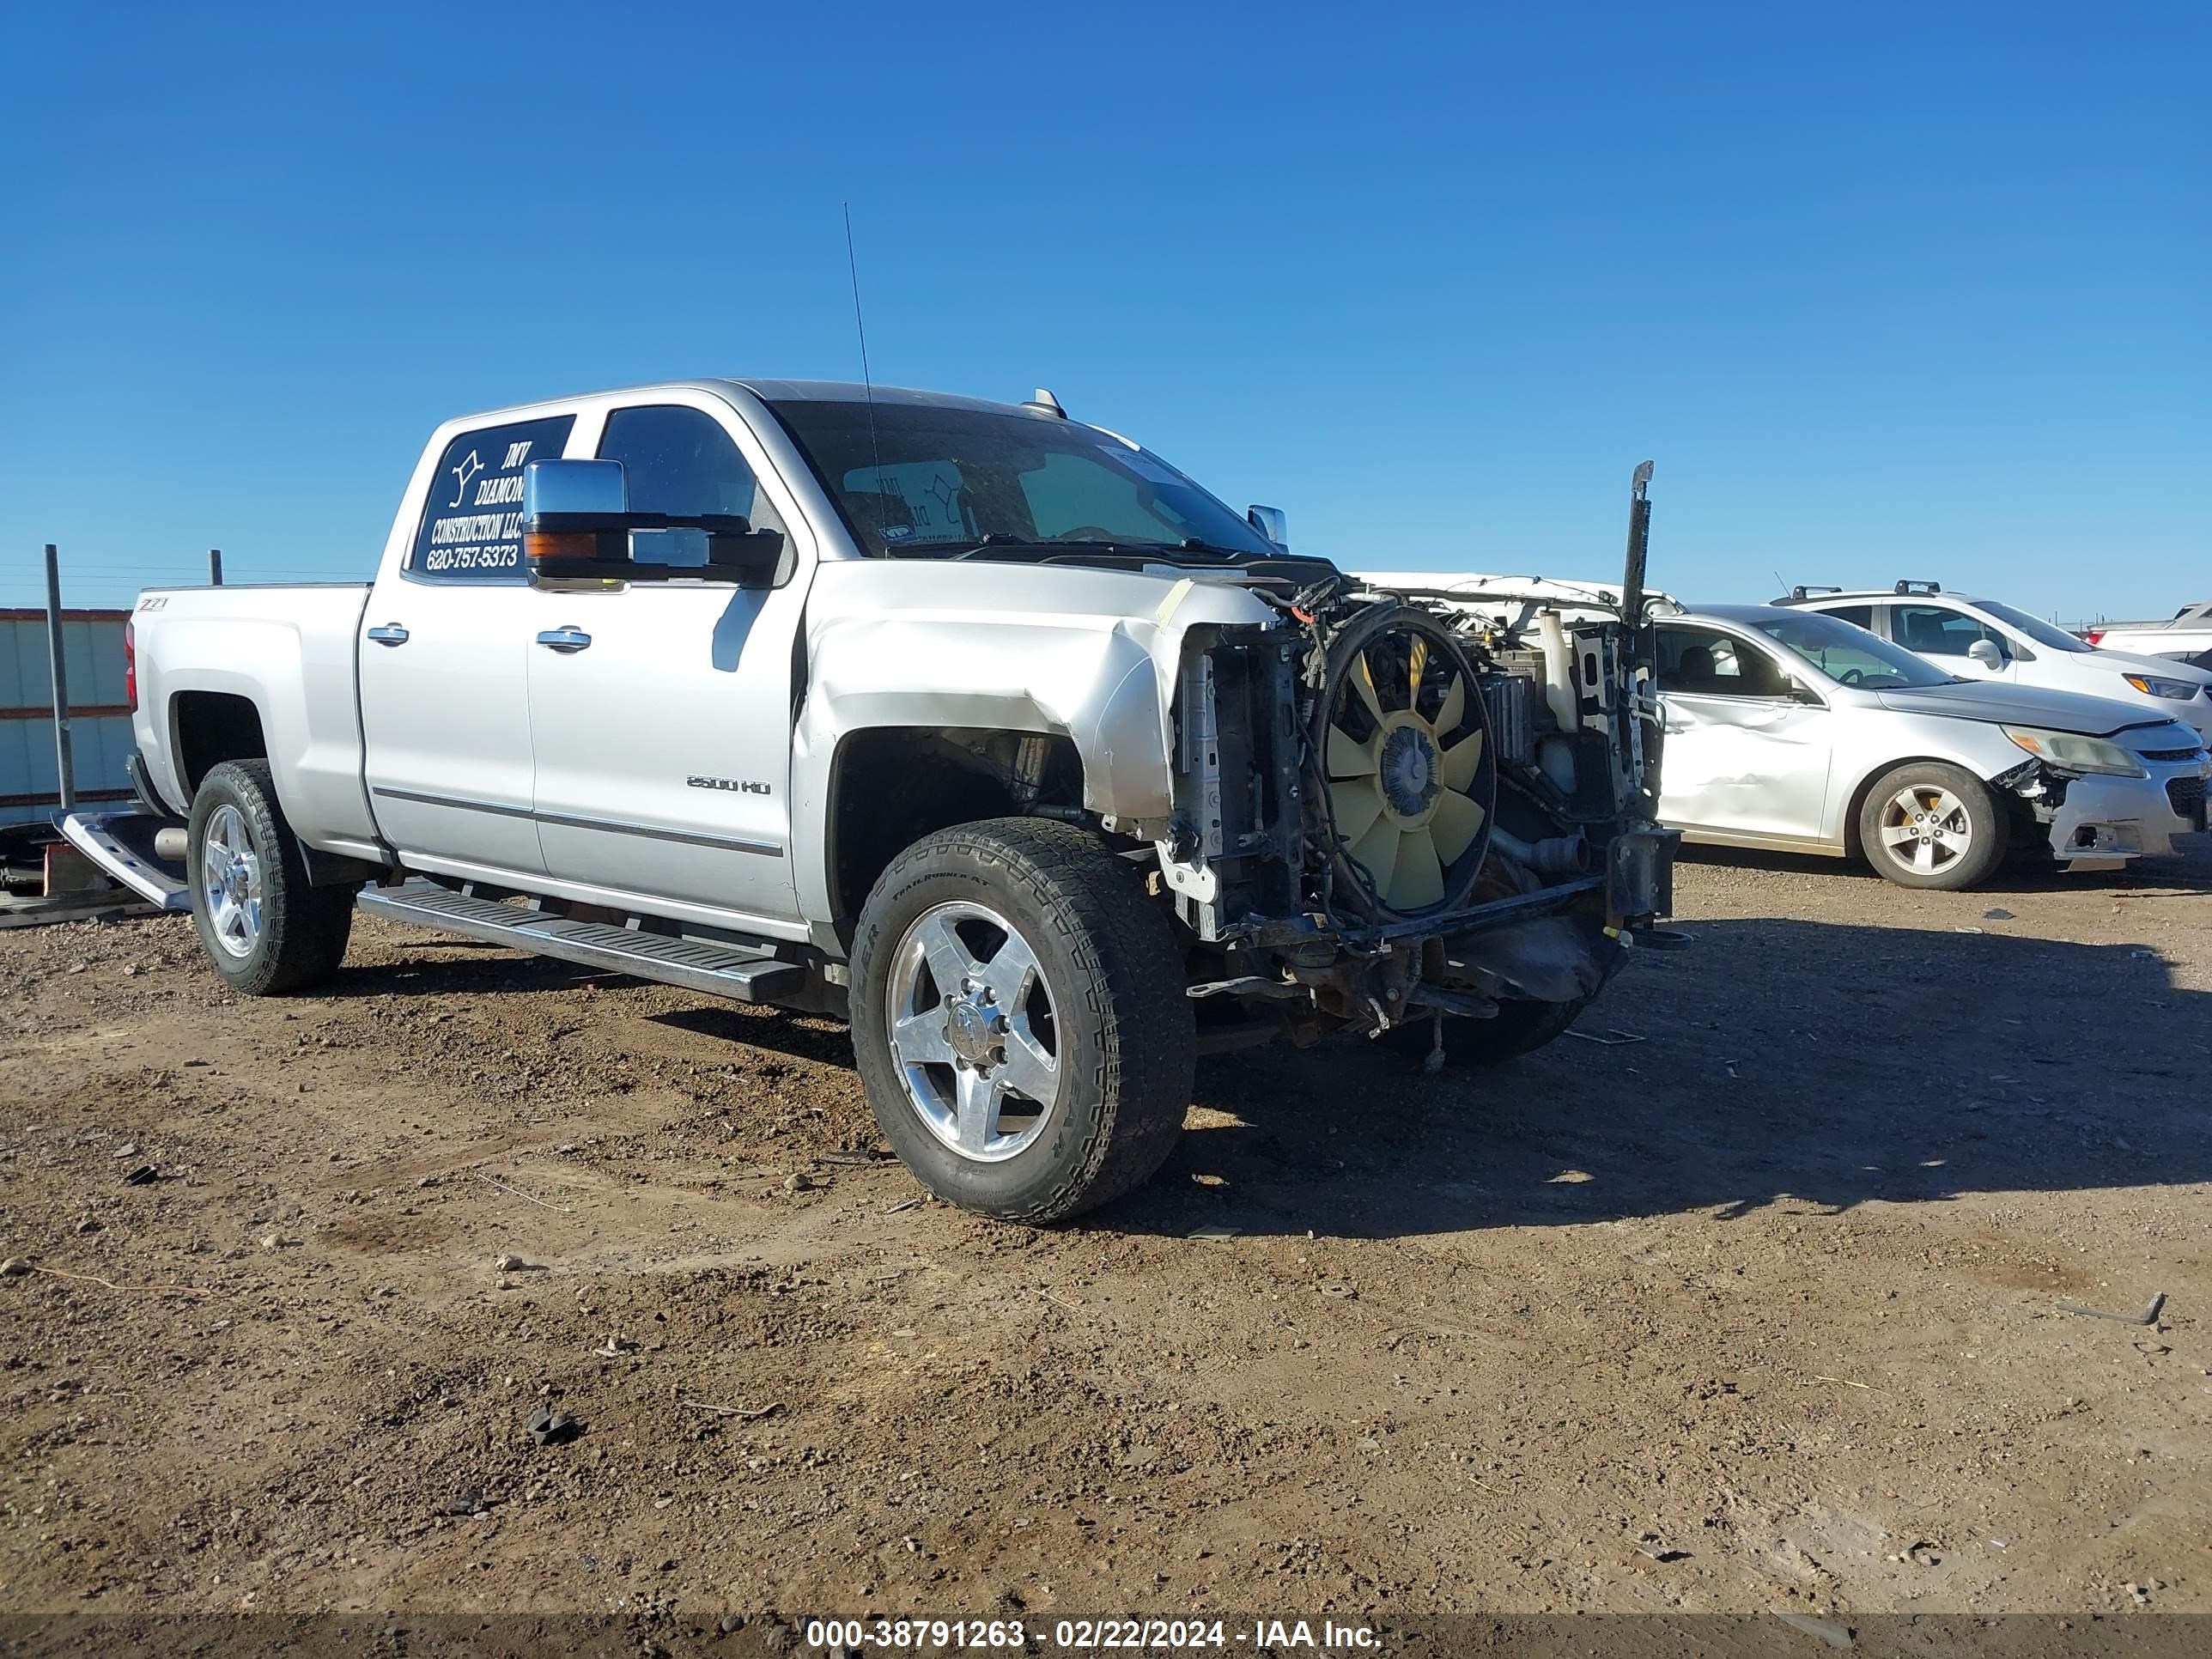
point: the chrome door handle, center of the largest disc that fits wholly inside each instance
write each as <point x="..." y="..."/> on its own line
<point x="565" y="639"/>
<point x="388" y="634"/>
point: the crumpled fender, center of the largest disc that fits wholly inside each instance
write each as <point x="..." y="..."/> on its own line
<point x="1094" y="682"/>
<point x="1092" y="654"/>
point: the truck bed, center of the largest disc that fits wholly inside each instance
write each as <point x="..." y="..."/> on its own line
<point x="2192" y="621"/>
<point x="2188" y="640"/>
<point x="288" y="652"/>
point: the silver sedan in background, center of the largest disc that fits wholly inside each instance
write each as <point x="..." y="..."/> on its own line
<point x="1802" y="732"/>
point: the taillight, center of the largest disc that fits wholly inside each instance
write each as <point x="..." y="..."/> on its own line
<point x="130" y="664"/>
<point x="2093" y="635"/>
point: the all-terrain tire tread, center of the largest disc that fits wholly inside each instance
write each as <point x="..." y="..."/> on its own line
<point x="1131" y="986"/>
<point x="305" y="928"/>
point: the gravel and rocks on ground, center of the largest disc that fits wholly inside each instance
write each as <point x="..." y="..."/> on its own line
<point x="478" y="1282"/>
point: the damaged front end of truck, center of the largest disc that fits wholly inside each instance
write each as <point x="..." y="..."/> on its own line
<point x="1398" y="812"/>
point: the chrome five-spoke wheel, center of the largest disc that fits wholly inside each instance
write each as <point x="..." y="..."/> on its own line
<point x="230" y="876"/>
<point x="974" y="1031"/>
<point x="265" y="928"/>
<point x="1019" y="1019"/>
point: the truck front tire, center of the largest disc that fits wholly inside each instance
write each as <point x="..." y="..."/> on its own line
<point x="264" y="928"/>
<point x="1019" y="1019"/>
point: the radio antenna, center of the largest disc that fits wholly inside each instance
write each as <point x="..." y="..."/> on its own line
<point x="861" y="327"/>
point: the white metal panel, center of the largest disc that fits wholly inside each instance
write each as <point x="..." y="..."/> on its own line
<point x="91" y="646"/>
<point x="22" y="664"/>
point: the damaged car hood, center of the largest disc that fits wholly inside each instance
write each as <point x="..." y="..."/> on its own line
<point x="2018" y="705"/>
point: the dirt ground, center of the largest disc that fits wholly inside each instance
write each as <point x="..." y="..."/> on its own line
<point x="1758" y="1311"/>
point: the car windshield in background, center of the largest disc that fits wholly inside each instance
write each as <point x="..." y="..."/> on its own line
<point x="2044" y="633"/>
<point x="917" y="481"/>
<point x="1849" y="655"/>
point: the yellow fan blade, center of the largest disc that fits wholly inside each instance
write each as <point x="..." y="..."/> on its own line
<point x="1454" y="706"/>
<point x="1417" y="659"/>
<point x="1348" y="757"/>
<point x="1457" y="822"/>
<point x="1460" y="761"/>
<point x="1354" y="806"/>
<point x="1364" y="678"/>
<point x="1418" y="880"/>
<point x="1378" y="853"/>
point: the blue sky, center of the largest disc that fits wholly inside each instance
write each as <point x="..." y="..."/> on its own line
<point x="1884" y="291"/>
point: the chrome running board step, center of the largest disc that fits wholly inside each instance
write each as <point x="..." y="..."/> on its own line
<point x="720" y="970"/>
<point x="121" y="844"/>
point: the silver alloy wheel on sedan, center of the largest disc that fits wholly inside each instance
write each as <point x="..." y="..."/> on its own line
<point x="230" y="876"/>
<point x="974" y="1031"/>
<point x="1926" y="828"/>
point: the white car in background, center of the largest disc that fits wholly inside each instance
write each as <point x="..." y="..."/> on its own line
<point x="1799" y="734"/>
<point x="1988" y="640"/>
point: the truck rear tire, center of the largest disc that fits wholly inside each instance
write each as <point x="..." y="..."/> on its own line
<point x="1019" y="1019"/>
<point x="265" y="930"/>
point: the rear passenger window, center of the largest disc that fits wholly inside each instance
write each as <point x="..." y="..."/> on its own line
<point x="1936" y="630"/>
<point x="472" y="522"/>
<point x="1698" y="662"/>
<point x="681" y="461"/>
<point x="1859" y="616"/>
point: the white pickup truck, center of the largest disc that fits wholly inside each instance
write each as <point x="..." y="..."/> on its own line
<point x="980" y="727"/>
<point x="2186" y="637"/>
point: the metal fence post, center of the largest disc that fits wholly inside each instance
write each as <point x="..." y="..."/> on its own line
<point x="65" y="761"/>
<point x="215" y="567"/>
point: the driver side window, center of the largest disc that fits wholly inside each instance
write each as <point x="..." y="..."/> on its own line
<point x="1700" y="662"/>
<point x="679" y="460"/>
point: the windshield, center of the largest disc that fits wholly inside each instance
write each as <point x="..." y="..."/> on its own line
<point x="2042" y="633"/>
<point x="916" y="481"/>
<point x="1849" y="655"/>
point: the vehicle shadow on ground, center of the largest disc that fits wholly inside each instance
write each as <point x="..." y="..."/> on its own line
<point x="1824" y="1065"/>
<point x="482" y="968"/>
<point x="1821" y="1064"/>
<point x="2188" y="872"/>
<point x="474" y="968"/>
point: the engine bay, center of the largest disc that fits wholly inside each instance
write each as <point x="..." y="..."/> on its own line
<point x="1403" y="803"/>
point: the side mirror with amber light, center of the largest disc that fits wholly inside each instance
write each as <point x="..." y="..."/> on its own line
<point x="576" y="526"/>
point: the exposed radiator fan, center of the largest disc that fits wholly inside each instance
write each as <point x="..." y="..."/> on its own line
<point x="1404" y="737"/>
